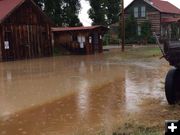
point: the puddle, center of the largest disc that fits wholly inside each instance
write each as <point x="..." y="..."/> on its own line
<point x="73" y="95"/>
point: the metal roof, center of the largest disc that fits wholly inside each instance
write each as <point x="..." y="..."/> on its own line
<point x="7" y="6"/>
<point x="161" y="6"/>
<point x="63" y="29"/>
<point x="164" y="6"/>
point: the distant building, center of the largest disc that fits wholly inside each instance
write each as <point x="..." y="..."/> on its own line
<point x="79" y="40"/>
<point x="161" y="15"/>
<point x="25" y="31"/>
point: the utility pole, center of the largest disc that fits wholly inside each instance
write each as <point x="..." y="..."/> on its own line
<point x="122" y="24"/>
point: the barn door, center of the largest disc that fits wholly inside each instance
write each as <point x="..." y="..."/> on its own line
<point x="8" y="46"/>
<point x="29" y="48"/>
<point x="24" y="48"/>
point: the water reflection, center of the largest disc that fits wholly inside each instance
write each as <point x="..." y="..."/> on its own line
<point x="83" y="98"/>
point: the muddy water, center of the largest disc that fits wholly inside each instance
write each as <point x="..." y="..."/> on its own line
<point x="75" y="94"/>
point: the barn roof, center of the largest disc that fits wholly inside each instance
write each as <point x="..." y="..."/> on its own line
<point x="8" y="6"/>
<point x="63" y="29"/>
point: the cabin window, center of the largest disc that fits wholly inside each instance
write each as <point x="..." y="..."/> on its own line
<point x="81" y="40"/>
<point x="90" y="39"/>
<point x="136" y="11"/>
<point x="139" y="30"/>
<point x="143" y="11"/>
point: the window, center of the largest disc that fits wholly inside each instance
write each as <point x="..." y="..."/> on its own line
<point x="139" y="30"/>
<point x="136" y="12"/>
<point x="143" y="11"/>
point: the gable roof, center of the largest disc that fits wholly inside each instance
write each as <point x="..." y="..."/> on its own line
<point x="164" y="6"/>
<point x="8" y="6"/>
<point x="161" y="6"/>
<point x="64" y="29"/>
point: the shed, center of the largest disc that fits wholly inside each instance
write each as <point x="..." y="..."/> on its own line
<point x="79" y="40"/>
<point x="25" y="31"/>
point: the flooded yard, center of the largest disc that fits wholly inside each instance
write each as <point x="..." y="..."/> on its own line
<point x="85" y="95"/>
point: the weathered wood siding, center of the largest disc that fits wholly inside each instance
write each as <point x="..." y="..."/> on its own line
<point x="169" y="15"/>
<point x="155" y="19"/>
<point x="28" y="32"/>
<point x="62" y="38"/>
<point x="69" y="41"/>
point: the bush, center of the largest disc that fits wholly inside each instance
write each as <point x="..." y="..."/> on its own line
<point x="151" y="40"/>
<point x="106" y="39"/>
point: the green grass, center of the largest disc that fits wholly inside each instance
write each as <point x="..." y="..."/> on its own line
<point x="133" y="129"/>
<point x="142" y="52"/>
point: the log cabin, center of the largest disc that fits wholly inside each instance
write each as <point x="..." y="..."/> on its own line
<point x="161" y="15"/>
<point x="25" y="31"/>
<point x="79" y="40"/>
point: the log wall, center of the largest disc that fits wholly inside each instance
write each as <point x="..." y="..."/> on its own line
<point x="155" y="19"/>
<point x="28" y="32"/>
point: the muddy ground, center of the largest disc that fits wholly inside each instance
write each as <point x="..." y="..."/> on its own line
<point x="104" y="94"/>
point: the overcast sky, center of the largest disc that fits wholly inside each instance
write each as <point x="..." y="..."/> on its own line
<point x="85" y="7"/>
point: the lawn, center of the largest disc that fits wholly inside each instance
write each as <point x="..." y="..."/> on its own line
<point x="141" y="52"/>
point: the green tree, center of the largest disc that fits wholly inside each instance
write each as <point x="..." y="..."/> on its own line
<point x="131" y="28"/>
<point x="97" y="12"/>
<point x="146" y="31"/>
<point x="112" y="11"/>
<point x="70" y="13"/>
<point x="39" y="3"/>
<point x="62" y="12"/>
<point x="104" y="12"/>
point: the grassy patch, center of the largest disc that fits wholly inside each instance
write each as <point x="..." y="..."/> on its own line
<point x="134" y="129"/>
<point x="137" y="53"/>
<point x="142" y="52"/>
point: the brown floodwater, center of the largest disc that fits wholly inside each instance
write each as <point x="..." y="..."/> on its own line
<point x="77" y="95"/>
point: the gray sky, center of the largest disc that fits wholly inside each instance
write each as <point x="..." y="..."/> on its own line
<point x="85" y="7"/>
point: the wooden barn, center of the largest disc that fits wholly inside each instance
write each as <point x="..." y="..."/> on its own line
<point x="79" y="40"/>
<point x="25" y="31"/>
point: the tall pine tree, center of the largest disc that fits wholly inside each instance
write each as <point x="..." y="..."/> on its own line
<point x="104" y="12"/>
<point x="70" y="13"/>
<point x="62" y="12"/>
